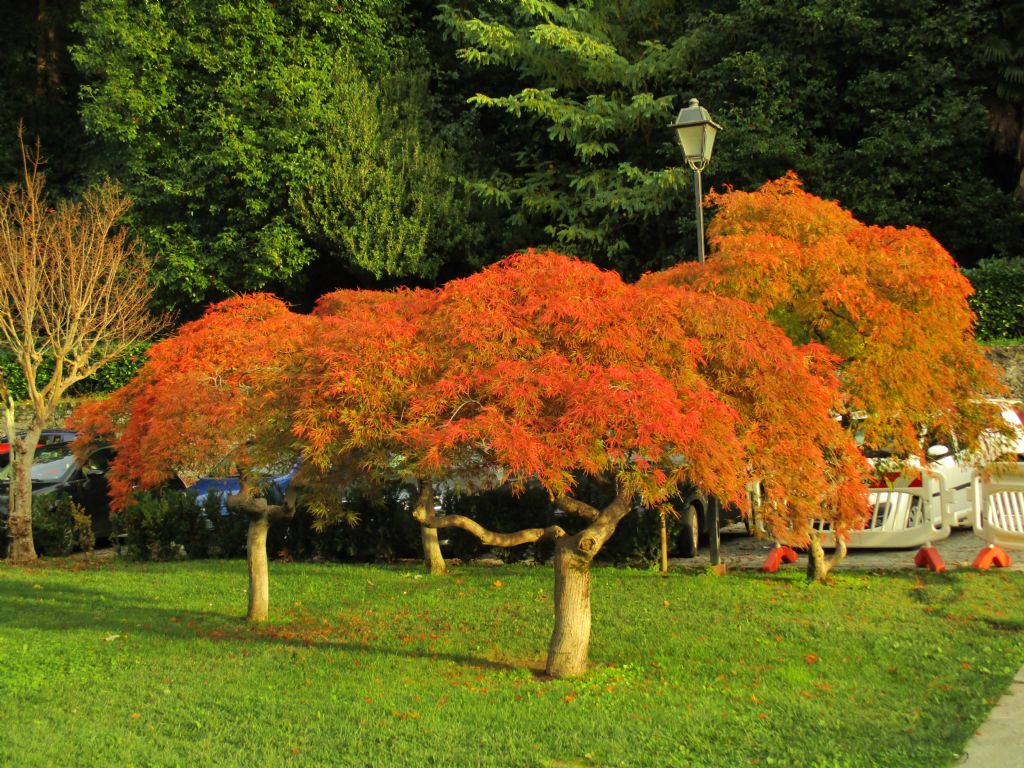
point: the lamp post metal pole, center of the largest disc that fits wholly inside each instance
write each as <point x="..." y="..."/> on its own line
<point x="698" y="195"/>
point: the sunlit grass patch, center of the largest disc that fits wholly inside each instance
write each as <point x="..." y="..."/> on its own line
<point x="151" y="665"/>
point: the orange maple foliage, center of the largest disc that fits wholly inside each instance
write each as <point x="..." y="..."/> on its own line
<point x="551" y="368"/>
<point x="360" y="370"/>
<point x="890" y="304"/>
<point x="216" y="390"/>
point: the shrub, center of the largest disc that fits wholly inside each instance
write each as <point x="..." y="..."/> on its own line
<point x="171" y="524"/>
<point x="111" y="376"/>
<point x="998" y="299"/>
<point x="167" y="525"/>
<point x="385" y="531"/>
<point x="59" y="527"/>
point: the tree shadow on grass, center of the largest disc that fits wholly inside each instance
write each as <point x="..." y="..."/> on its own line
<point x="62" y="607"/>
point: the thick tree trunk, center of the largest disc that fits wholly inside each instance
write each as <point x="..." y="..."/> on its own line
<point x="432" y="557"/>
<point x="819" y="566"/>
<point x="260" y="514"/>
<point x="259" y="573"/>
<point x="19" y="510"/>
<point x="570" y="642"/>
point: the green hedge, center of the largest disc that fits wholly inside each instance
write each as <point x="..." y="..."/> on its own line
<point x="111" y="376"/>
<point x="999" y="298"/>
<point x="170" y="525"/>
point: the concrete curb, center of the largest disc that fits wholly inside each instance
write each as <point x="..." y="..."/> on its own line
<point x="999" y="741"/>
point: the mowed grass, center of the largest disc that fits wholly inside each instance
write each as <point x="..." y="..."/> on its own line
<point x="132" y="664"/>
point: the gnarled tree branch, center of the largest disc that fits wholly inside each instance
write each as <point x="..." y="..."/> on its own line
<point x="577" y="507"/>
<point x="249" y="503"/>
<point x="490" y="538"/>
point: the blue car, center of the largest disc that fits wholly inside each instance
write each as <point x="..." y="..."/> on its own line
<point x="230" y="485"/>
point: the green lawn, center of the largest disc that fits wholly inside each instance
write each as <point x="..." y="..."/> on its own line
<point x="131" y="664"/>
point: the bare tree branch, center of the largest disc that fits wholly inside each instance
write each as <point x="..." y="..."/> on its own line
<point x="576" y="507"/>
<point x="74" y="291"/>
<point x="424" y="515"/>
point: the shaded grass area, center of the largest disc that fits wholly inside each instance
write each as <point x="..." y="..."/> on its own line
<point x="131" y="664"/>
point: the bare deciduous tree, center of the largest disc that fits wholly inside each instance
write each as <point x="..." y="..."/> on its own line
<point x="74" y="292"/>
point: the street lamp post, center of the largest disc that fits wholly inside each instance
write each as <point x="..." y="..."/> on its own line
<point x="696" y="131"/>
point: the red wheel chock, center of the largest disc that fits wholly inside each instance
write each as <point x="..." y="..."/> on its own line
<point x="779" y="554"/>
<point x="929" y="557"/>
<point x="989" y="556"/>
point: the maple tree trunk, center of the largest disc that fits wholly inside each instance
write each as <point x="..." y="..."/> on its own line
<point x="432" y="557"/>
<point x="664" y="544"/>
<point x="570" y="641"/>
<point x="19" y="500"/>
<point x="819" y="566"/>
<point x="259" y="574"/>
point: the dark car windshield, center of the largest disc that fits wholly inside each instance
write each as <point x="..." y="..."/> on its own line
<point x="51" y="463"/>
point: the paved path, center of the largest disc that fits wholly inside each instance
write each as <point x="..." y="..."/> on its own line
<point x="999" y="742"/>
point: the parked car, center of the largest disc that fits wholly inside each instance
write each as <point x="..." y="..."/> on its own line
<point x="228" y="483"/>
<point x="57" y="473"/>
<point x="48" y="437"/>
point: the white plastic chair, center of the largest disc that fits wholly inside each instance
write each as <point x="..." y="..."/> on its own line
<point x="999" y="510"/>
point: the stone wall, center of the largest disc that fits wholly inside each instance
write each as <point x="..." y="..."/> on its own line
<point x="1011" y="360"/>
<point x="22" y="415"/>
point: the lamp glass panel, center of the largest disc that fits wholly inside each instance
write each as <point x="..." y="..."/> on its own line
<point x="691" y="138"/>
<point x="709" y="139"/>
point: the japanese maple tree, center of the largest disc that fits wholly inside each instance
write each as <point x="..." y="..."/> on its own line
<point x="889" y="304"/>
<point x="217" y="391"/>
<point x="545" y="369"/>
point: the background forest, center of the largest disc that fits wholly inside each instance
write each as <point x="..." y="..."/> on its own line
<point x="303" y="146"/>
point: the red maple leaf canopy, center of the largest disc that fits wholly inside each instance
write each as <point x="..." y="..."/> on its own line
<point x="547" y="368"/>
<point x="218" y="389"/>
<point x="365" y="361"/>
<point x="890" y="304"/>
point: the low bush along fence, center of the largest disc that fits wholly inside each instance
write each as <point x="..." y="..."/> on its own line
<point x="173" y="524"/>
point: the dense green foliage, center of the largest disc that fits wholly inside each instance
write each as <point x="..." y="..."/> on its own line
<point x="874" y="104"/>
<point x="111" y="376"/>
<point x="148" y="665"/>
<point x="170" y="525"/>
<point x="879" y="105"/>
<point x="250" y="135"/>
<point x="579" y="110"/>
<point x="39" y="89"/>
<point x="306" y="145"/>
<point x="998" y="299"/>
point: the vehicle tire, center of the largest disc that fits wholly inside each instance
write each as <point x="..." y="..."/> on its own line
<point x="689" y="539"/>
